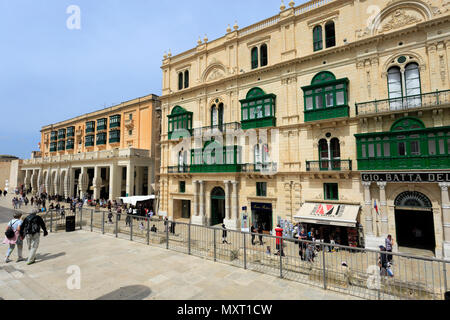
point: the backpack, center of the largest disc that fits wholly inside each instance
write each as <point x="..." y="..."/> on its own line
<point x="10" y="231"/>
<point x="32" y="226"/>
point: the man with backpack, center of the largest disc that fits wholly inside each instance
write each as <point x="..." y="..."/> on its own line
<point x="31" y="229"/>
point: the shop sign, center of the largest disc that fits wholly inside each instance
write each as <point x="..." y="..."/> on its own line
<point x="328" y="210"/>
<point x="410" y="177"/>
<point x="261" y="206"/>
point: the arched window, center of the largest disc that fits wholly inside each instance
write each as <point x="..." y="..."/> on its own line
<point x="323" y="153"/>
<point x="186" y="79"/>
<point x="330" y="34"/>
<point x="180" y="81"/>
<point x="412" y="85"/>
<point x="395" y="88"/>
<point x="214" y="116"/>
<point x="254" y="58"/>
<point x="335" y="147"/>
<point x="265" y="154"/>
<point x="182" y="161"/>
<point x="317" y="38"/>
<point x="257" y="154"/>
<point x="264" y="59"/>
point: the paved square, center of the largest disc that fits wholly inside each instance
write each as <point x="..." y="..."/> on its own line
<point x="119" y="269"/>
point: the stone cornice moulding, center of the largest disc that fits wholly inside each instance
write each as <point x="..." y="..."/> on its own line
<point x="318" y="55"/>
<point x="184" y="67"/>
<point x="323" y="19"/>
<point x="259" y="41"/>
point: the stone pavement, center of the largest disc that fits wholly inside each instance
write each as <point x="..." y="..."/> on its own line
<point x="119" y="269"/>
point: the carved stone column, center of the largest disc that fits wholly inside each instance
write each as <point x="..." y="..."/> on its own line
<point x="384" y="209"/>
<point x="368" y="209"/>
<point x="200" y="218"/>
<point x="130" y="179"/>
<point x="227" y="200"/>
<point x="445" y="217"/>
<point x="97" y="182"/>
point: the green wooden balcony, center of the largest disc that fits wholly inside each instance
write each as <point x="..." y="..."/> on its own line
<point x="329" y="165"/>
<point x="327" y="113"/>
<point x="215" y="168"/>
<point x="437" y="98"/>
<point x="405" y="163"/>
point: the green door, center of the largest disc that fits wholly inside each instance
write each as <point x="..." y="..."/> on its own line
<point x="217" y="206"/>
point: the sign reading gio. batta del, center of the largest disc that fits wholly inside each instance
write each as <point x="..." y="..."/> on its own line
<point x="406" y="177"/>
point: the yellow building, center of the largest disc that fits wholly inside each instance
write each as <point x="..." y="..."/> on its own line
<point x="333" y="113"/>
<point x="104" y="154"/>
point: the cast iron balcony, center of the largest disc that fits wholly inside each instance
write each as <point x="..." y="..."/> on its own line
<point x="424" y="100"/>
<point x="223" y="128"/>
<point x="179" y="169"/>
<point x="329" y="165"/>
<point x="260" y="167"/>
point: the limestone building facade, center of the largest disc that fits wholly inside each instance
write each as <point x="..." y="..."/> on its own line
<point x="334" y="113"/>
<point x="103" y="154"/>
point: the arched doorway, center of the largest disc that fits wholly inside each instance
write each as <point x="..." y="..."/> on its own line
<point x="414" y="221"/>
<point x="217" y="206"/>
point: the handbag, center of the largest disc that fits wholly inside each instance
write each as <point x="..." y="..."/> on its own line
<point x="9" y="233"/>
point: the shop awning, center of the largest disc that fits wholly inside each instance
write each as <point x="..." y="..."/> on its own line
<point x="343" y="215"/>
<point x="136" y="199"/>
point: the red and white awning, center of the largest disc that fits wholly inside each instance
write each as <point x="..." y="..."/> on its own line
<point x="328" y="214"/>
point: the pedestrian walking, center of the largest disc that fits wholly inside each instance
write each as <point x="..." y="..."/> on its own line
<point x="389" y="242"/>
<point x="253" y="231"/>
<point x="172" y="227"/>
<point x="279" y="242"/>
<point x="13" y="238"/>
<point x="302" y="236"/>
<point x="260" y="234"/>
<point x="224" y="234"/>
<point x="110" y="216"/>
<point x="383" y="261"/>
<point x="31" y="229"/>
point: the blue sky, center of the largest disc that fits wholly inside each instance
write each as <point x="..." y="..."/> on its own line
<point x="49" y="73"/>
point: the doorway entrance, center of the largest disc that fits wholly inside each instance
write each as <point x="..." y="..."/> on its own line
<point x="217" y="206"/>
<point x="262" y="215"/>
<point x="414" y="221"/>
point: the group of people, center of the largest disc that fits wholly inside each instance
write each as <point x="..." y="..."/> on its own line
<point x="385" y="261"/>
<point x="4" y="193"/>
<point x="17" y="230"/>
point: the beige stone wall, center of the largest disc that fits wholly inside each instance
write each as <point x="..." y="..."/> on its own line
<point x="5" y="169"/>
<point x="221" y="69"/>
<point x="140" y="126"/>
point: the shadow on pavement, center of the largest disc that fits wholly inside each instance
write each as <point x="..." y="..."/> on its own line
<point x="47" y="256"/>
<point x="137" y="292"/>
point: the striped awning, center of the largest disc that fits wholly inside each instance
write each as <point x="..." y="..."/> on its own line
<point x="343" y="215"/>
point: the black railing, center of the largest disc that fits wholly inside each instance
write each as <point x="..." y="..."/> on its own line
<point x="312" y="262"/>
<point x="329" y="165"/>
<point x="260" y="167"/>
<point x="179" y="169"/>
<point x="219" y="127"/>
<point x="404" y="103"/>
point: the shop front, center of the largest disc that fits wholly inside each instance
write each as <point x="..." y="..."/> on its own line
<point x="331" y="222"/>
<point x="262" y="215"/>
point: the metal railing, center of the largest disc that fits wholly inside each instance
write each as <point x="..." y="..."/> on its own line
<point x="179" y="169"/>
<point x="349" y="270"/>
<point x="213" y="129"/>
<point x="260" y="167"/>
<point x="329" y="165"/>
<point x="404" y="103"/>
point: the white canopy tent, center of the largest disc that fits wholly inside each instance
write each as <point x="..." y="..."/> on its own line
<point x="136" y="199"/>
